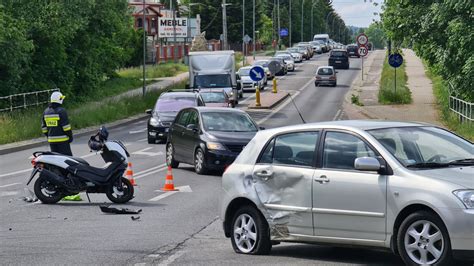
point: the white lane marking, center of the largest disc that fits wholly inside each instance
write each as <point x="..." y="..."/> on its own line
<point x="17" y="172"/>
<point x="10" y="185"/>
<point x="150" y="169"/>
<point x="150" y="173"/>
<point x="185" y="189"/>
<point x="137" y="131"/>
<point x="9" y="193"/>
<point x="172" y="258"/>
<point x="142" y="140"/>
<point x="144" y="152"/>
<point x="337" y="115"/>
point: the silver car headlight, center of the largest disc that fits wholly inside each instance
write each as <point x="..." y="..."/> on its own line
<point x="154" y="122"/>
<point x="466" y="196"/>
<point x="215" y="146"/>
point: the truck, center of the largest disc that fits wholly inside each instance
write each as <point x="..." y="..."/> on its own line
<point x="324" y="38"/>
<point x="212" y="70"/>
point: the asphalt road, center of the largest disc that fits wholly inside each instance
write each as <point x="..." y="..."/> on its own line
<point x="174" y="228"/>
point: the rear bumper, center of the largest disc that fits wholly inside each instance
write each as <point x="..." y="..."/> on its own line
<point x="343" y="64"/>
<point x="325" y="82"/>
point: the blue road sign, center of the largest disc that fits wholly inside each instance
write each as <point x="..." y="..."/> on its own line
<point x="395" y="60"/>
<point x="283" y="32"/>
<point x="257" y="73"/>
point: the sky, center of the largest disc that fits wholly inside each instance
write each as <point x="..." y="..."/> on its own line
<point x="357" y="12"/>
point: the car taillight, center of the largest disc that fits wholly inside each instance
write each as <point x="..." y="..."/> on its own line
<point x="33" y="162"/>
<point x="318" y="78"/>
<point x="332" y="78"/>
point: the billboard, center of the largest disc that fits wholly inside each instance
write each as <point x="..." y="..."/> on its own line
<point x="166" y="27"/>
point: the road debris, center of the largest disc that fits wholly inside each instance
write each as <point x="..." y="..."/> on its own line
<point x="108" y="209"/>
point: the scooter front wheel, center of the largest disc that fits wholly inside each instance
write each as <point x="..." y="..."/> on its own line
<point x="120" y="193"/>
<point x="46" y="191"/>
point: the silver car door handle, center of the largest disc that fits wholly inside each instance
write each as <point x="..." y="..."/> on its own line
<point x="264" y="174"/>
<point x="322" y="179"/>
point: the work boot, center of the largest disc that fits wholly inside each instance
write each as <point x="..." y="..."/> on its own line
<point x="76" y="197"/>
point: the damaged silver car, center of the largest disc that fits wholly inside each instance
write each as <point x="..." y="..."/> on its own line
<point x="404" y="186"/>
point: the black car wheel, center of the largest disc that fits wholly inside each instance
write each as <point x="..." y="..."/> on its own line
<point x="199" y="162"/>
<point x="170" y="156"/>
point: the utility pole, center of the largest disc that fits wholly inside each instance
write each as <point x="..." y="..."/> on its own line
<point x="312" y="7"/>
<point x="289" y="40"/>
<point x="254" y="40"/>
<point x="278" y="12"/>
<point x="243" y="32"/>
<point x="224" y="24"/>
<point x="144" y="49"/>
<point x="175" y="51"/>
<point x="302" y="14"/>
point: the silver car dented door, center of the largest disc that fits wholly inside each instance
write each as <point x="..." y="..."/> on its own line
<point x="348" y="203"/>
<point x="283" y="178"/>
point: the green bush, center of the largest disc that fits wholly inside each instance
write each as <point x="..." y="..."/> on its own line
<point x="157" y="71"/>
<point x="388" y="94"/>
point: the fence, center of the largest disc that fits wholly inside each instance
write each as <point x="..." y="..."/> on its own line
<point x="24" y="100"/>
<point x="460" y="107"/>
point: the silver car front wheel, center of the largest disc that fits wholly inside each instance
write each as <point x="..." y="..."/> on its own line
<point x="423" y="240"/>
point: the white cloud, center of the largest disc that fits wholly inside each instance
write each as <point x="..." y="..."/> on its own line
<point x="356" y="12"/>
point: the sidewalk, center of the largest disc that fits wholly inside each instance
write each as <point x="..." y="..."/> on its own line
<point x="423" y="108"/>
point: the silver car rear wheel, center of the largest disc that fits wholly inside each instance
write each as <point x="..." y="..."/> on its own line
<point x="245" y="233"/>
<point x="424" y="242"/>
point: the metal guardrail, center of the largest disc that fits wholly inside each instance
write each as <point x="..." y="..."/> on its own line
<point x="24" y="100"/>
<point x="464" y="109"/>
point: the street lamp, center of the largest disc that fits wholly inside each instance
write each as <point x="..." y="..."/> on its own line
<point x="302" y="14"/>
<point x="189" y="21"/>
<point x="243" y="32"/>
<point x="224" y="23"/>
<point x="144" y="50"/>
<point x="253" y="30"/>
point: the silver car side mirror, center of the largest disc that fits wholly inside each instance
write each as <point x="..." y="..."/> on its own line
<point x="367" y="164"/>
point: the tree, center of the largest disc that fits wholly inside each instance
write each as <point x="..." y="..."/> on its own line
<point x="376" y="35"/>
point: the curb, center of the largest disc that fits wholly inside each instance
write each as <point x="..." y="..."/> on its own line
<point x="269" y="106"/>
<point x="28" y="144"/>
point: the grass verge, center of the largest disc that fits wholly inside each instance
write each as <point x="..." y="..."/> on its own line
<point x="387" y="93"/>
<point x="24" y="125"/>
<point x="157" y="71"/>
<point x="440" y="88"/>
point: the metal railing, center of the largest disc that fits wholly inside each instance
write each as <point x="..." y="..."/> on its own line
<point x="24" y="100"/>
<point x="463" y="109"/>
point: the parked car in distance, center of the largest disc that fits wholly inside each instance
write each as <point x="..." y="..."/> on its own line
<point x="216" y="98"/>
<point x="165" y="110"/>
<point x="323" y="38"/>
<point x="264" y="64"/>
<point x="353" y="50"/>
<point x="290" y="62"/>
<point x="325" y="75"/>
<point x="304" y="51"/>
<point x="284" y="67"/>
<point x="308" y="46"/>
<point x="339" y="58"/>
<point x="316" y="47"/>
<point x="208" y="138"/>
<point x="367" y="183"/>
<point x="297" y="56"/>
<point x="246" y="83"/>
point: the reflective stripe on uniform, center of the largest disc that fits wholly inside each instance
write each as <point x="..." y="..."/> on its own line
<point x="67" y="127"/>
<point x="58" y="138"/>
<point x="51" y="120"/>
<point x="44" y="129"/>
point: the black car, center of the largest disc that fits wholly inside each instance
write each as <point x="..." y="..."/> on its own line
<point x="283" y="69"/>
<point x="166" y="108"/>
<point x="208" y="138"/>
<point x="339" y="59"/>
<point x="353" y="50"/>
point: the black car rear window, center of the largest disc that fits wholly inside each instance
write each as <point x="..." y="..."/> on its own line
<point x="338" y="53"/>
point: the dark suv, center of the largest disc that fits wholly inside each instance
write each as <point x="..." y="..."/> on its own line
<point x="166" y="108"/>
<point x="353" y="50"/>
<point x="339" y="59"/>
<point x="208" y="138"/>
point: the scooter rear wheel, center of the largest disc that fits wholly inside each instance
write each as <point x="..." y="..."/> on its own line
<point x="120" y="195"/>
<point x="46" y="191"/>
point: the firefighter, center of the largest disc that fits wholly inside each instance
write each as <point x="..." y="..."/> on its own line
<point x="55" y="125"/>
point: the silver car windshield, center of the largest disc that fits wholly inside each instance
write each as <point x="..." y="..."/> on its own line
<point x="425" y="147"/>
<point x="227" y="122"/>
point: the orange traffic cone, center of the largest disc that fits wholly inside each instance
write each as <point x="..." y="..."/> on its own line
<point x="169" y="185"/>
<point x="129" y="174"/>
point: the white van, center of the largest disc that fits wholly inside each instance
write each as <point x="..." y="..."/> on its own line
<point x="322" y="37"/>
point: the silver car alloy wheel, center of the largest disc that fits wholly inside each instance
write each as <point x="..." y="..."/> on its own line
<point x="424" y="242"/>
<point x="245" y="233"/>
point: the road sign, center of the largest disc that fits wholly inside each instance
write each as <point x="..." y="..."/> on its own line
<point x="274" y="67"/>
<point x="247" y="38"/>
<point x="283" y="32"/>
<point x="257" y="73"/>
<point x="362" y="39"/>
<point x="363" y="50"/>
<point x="167" y="27"/>
<point x="395" y="60"/>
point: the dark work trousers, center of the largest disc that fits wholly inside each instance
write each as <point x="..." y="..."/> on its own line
<point x="61" y="147"/>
